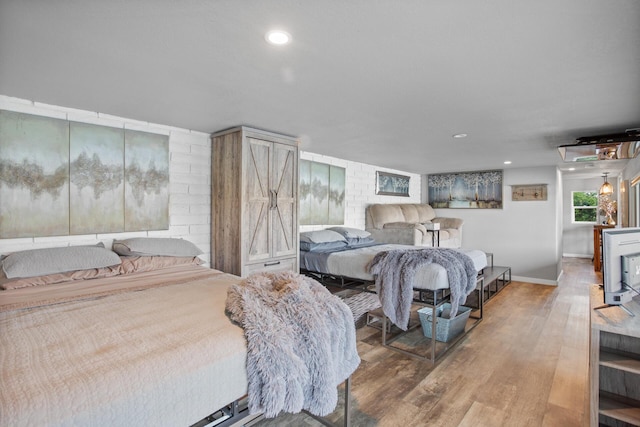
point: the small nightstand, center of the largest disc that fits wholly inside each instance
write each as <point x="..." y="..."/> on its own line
<point x="434" y="229"/>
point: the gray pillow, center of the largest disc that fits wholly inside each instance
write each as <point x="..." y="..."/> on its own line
<point x="322" y="247"/>
<point x="321" y="236"/>
<point x="355" y="242"/>
<point x="40" y="262"/>
<point x="155" y="246"/>
<point x="350" y="233"/>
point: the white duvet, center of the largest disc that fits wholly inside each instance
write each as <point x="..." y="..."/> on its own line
<point x="165" y="356"/>
<point x="353" y="263"/>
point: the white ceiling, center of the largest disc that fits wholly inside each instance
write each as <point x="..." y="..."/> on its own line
<point x="384" y="82"/>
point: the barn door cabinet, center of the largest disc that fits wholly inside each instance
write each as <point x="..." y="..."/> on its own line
<point x="254" y="224"/>
<point x="614" y="363"/>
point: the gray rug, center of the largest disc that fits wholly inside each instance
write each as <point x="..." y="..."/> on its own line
<point x="360" y="304"/>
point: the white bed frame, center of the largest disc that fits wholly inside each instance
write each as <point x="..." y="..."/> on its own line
<point x="238" y="410"/>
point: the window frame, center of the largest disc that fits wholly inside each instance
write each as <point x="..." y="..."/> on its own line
<point x="573" y="207"/>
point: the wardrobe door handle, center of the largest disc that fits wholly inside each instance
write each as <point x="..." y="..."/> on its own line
<point x="269" y="264"/>
<point x="274" y="199"/>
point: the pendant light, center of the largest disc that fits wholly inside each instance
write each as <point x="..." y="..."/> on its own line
<point x="606" y="187"/>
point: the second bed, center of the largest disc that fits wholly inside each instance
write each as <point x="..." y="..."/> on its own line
<point x="347" y="265"/>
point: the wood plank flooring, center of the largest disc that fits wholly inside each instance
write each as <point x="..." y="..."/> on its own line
<point x="525" y="364"/>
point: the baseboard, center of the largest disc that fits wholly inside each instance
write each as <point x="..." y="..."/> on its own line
<point x="589" y="256"/>
<point x="535" y="280"/>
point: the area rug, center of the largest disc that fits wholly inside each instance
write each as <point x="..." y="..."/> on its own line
<point x="360" y="304"/>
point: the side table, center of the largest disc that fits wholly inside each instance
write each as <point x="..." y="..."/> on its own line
<point x="434" y="229"/>
<point x="597" y="245"/>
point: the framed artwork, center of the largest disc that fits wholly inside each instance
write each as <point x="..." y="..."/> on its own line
<point x="322" y="190"/>
<point x="389" y="184"/>
<point x="146" y="181"/>
<point x="466" y="190"/>
<point x="96" y="174"/>
<point x="60" y="178"/>
<point x="34" y="176"/>
<point x="529" y="192"/>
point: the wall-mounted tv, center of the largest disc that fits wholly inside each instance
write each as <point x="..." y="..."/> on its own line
<point x="620" y="264"/>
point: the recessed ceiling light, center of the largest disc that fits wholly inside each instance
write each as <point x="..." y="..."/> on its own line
<point x="507" y="162"/>
<point x="278" y="37"/>
<point x="572" y="169"/>
<point x="460" y="135"/>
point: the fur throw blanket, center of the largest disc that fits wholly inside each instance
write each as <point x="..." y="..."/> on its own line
<point x="301" y="342"/>
<point x="394" y="272"/>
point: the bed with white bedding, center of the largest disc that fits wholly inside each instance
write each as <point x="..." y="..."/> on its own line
<point x="346" y="252"/>
<point x="344" y="256"/>
<point x="149" y="357"/>
<point x="148" y="345"/>
<point x="351" y="263"/>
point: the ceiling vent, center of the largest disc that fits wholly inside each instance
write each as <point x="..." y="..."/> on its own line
<point x="619" y="146"/>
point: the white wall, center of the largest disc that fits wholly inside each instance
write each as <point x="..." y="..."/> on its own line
<point x="360" y="188"/>
<point x="559" y="223"/>
<point x="524" y="235"/>
<point x="630" y="174"/>
<point x="190" y="180"/>
<point x="632" y="170"/>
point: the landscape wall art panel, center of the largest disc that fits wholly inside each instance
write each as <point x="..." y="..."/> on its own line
<point x="467" y="190"/>
<point x="34" y="176"/>
<point x="336" y="195"/>
<point x="59" y="177"/>
<point x="146" y="181"/>
<point x="391" y="184"/>
<point x="96" y="179"/>
<point x="304" y="192"/>
<point x="318" y="199"/>
<point x="322" y="189"/>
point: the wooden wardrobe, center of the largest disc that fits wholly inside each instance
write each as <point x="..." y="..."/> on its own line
<point x="254" y="201"/>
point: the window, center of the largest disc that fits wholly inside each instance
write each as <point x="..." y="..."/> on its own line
<point x="584" y="206"/>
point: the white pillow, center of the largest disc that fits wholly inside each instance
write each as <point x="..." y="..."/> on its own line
<point x="321" y="236"/>
<point x="40" y="262"/>
<point x="155" y="246"/>
<point x="350" y="233"/>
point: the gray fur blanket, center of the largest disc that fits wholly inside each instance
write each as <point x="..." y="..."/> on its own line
<point x="394" y="272"/>
<point x="301" y="342"/>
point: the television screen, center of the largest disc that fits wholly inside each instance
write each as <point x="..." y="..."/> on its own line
<point x="620" y="264"/>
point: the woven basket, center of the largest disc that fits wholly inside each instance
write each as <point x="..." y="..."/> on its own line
<point x="446" y="329"/>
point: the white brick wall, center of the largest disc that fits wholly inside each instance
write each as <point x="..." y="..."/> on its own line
<point x="360" y="188"/>
<point x="190" y="180"/>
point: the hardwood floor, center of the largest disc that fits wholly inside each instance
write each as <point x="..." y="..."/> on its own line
<point x="525" y="364"/>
